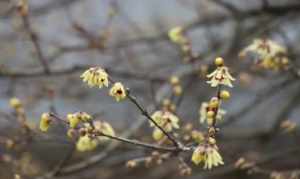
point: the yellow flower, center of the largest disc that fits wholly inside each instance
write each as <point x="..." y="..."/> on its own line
<point x="77" y="117"/>
<point x="220" y="76"/>
<point x="95" y="76"/>
<point x="225" y="95"/>
<point x="269" y="54"/>
<point x="208" y="155"/>
<point x="199" y="155"/>
<point x="104" y="128"/>
<point x="176" y="36"/>
<point x="45" y="122"/>
<point x="73" y="120"/>
<point x="197" y="136"/>
<point x="157" y="134"/>
<point x="265" y="48"/>
<point x="15" y="103"/>
<point x="118" y="91"/>
<point x="85" y="143"/>
<point x="83" y="116"/>
<point x="205" y="108"/>
<point x="166" y="120"/>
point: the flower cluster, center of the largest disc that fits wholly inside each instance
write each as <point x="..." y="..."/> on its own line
<point x="92" y="135"/>
<point x="89" y="134"/>
<point x="86" y="143"/>
<point x="208" y="110"/>
<point x="166" y="120"/>
<point x="75" y="118"/>
<point x="105" y="128"/>
<point x="97" y="76"/>
<point x="207" y="151"/>
<point x="208" y="155"/>
<point x="221" y="75"/>
<point x="269" y="54"/>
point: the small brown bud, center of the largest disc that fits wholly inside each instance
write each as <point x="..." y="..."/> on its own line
<point x="22" y="6"/>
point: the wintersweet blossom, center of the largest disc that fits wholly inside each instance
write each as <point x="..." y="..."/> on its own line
<point x="15" y="103"/>
<point x="73" y="120"/>
<point x="176" y="35"/>
<point x="95" y="76"/>
<point x="45" y="122"/>
<point x="269" y="54"/>
<point x="205" y="108"/>
<point x="208" y="155"/>
<point x="86" y="143"/>
<point x="105" y="128"/>
<point x="166" y="120"/>
<point x="220" y="76"/>
<point x="118" y="91"/>
<point x="157" y="134"/>
<point x="77" y="117"/>
<point x="265" y="48"/>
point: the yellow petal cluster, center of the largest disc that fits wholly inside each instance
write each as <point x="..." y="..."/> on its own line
<point x="105" y="128"/>
<point x="165" y="119"/>
<point x="176" y="35"/>
<point x="95" y="76"/>
<point x="220" y="76"/>
<point x="118" y="91"/>
<point x="203" y="111"/>
<point x="45" y="122"/>
<point x="15" y="103"/>
<point x="157" y="134"/>
<point x="77" y="117"/>
<point x="73" y="120"/>
<point x="208" y="155"/>
<point x="86" y="143"/>
<point x="269" y="54"/>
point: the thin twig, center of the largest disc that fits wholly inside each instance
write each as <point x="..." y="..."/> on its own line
<point x="139" y="143"/>
<point x="33" y="37"/>
<point x="147" y="115"/>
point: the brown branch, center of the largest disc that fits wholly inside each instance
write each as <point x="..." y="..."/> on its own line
<point x="147" y="115"/>
<point x="23" y="11"/>
<point x="139" y="143"/>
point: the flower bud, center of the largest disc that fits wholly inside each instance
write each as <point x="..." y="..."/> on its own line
<point x="219" y="61"/>
<point x="224" y="94"/>
<point x="174" y="80"/>
<point x="177" y="90"/>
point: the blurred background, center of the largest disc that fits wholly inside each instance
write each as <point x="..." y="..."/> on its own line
<point x="129" y="38"/>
